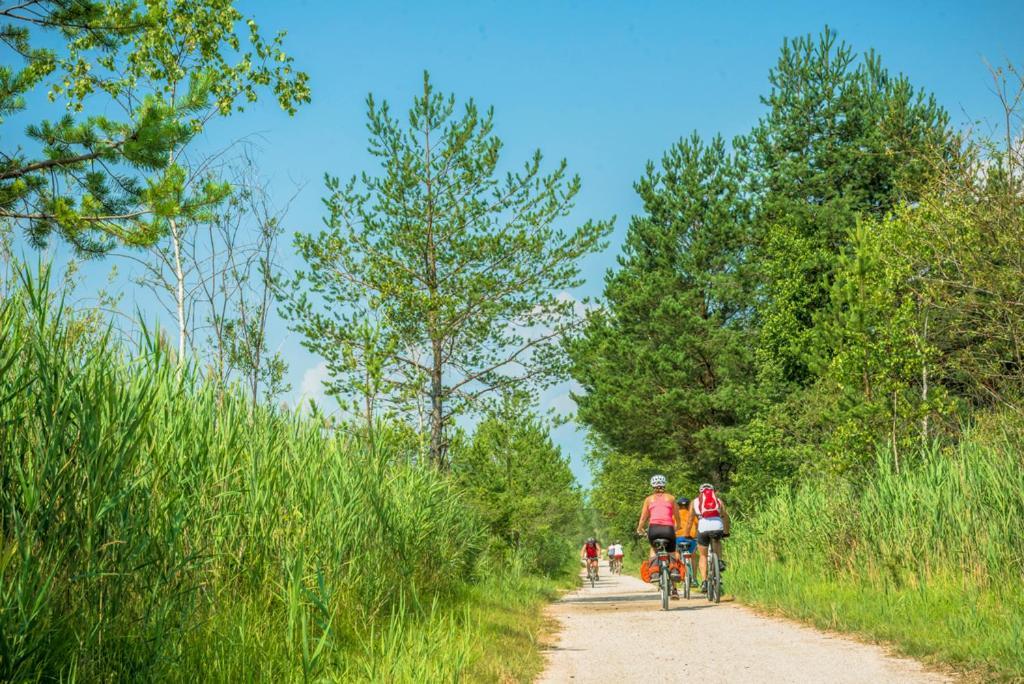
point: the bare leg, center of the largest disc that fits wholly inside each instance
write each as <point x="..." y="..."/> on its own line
<point x="703" y="562"/>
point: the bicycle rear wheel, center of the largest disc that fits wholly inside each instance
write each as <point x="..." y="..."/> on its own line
<point x="688" y="579"/>
<point x="712" y="577"/>
<point x="666" y="587"/>
<point x="718" y="580"/>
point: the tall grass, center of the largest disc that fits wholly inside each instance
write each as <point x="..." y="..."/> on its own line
<point x="155" y="526"/>
<point x="931" y="559"/>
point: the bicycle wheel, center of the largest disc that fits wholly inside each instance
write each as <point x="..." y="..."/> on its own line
<point x="666" y="586"/>
<point x="718" y="580"/>
<point x="711" y="577"/>
<point x="688" y="579"/>
<point x="593" y="580"/>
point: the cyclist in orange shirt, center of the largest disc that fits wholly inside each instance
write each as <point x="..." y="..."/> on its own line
<point x="686" y="533"/>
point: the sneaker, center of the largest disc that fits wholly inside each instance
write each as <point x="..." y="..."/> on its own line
<point x="704" y="587"/>
<point x="721" y="565"/>
<point x="675" y="594"/>
<point x="655" y="577"/>
<point x="674" y="574"/>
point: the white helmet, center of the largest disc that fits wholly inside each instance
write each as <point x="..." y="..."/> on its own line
<point x="707" y="486"/>
<point x="658" y="481"/>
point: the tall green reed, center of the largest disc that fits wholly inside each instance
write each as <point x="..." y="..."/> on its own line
<point x="931" y="557"/>
<point x="157" y="526"/>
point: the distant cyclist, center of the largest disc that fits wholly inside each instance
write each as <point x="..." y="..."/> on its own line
<point x="615" y="555"/>
<point x="591" y="553"/>
<point x="712" y="526"/>
<point x="661" y="515"/>
<point x="686" y="534"/>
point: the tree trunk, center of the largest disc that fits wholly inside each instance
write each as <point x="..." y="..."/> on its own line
<point x="368" y="396"/>
<point x="437" y="445"/>
<point x="924" y="386"/>
<point x="179" y="293"/>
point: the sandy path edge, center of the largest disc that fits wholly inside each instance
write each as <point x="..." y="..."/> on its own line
<point x="617" y="631"/>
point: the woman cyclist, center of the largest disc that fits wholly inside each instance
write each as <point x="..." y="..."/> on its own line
<point x="661" y="516"/>
<point x="712" y="525"/>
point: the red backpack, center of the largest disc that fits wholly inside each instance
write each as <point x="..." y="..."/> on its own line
<point x="708" y="505"/>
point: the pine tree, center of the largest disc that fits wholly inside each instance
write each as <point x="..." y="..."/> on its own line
<point x="440" y="281"/>
<point x="99" y="179"/>
<point x="666" y="364"/>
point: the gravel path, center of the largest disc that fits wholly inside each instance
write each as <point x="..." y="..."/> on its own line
<point x="616" y="632"/>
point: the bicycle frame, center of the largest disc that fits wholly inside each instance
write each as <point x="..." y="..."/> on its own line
<point x="664" y="569"/>
<point x="688" y="580"/>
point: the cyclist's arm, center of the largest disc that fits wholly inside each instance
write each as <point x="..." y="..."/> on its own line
<point x="644" y="514"/>
<point x="676" y="519"/>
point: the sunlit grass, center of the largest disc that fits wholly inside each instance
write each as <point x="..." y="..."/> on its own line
<point x="158" y="527"/>
<point x="931" y="559"/>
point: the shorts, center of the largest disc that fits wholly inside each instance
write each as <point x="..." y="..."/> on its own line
<point x="666" y="532"/>
<point x="708" y="529"/>
<point x="686" y="544"/>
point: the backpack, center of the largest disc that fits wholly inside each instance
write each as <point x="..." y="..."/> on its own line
<point x="708" y="505"/>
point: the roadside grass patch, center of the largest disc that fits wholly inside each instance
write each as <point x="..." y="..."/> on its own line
<point x="930" y="560"/>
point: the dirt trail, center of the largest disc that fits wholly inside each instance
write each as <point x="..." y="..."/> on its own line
<point x="616" y="632"/>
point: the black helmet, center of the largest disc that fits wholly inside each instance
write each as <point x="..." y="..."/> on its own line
<point x="682" y="501"/>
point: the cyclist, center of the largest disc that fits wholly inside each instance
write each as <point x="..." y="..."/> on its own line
<point x="591" y="552"/>
<point x="661" y="514"/>
<point x="615" y="555"/>
<point x="686" y="535"/>
<point x="712" y="526"/>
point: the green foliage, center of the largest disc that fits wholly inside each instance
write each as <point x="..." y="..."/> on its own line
<point x="98" y="180"/>
<point x="843" y="138"/>
<point x="157" y="526"/>
<point x="438" y="282"/>
<point x="666" y="364"/>
<point x="960" y="249"/>
<point x="522" y="488"/>
<point x="929" y="558"/>
<point x="760" y="326"/>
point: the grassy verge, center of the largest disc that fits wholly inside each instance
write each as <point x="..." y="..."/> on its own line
<point x="490" y="633"/>
<point x="929" y="560"/>
<point x="155" y="526"/>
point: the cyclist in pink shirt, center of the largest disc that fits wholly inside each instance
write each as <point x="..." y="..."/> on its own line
<point x="660" y="514"/>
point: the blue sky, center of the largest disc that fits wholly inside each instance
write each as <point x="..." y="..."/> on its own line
<point x="607" y="85"/>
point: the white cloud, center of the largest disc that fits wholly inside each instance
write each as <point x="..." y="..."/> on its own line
<point x="563" y="404"/>
<point x="312" y="386"/>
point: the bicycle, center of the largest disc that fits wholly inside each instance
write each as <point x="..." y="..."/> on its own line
<point x="592" y="573"/>
<point x="615" y="566"/>
<point x="688" y="580"/>
<point x="664" y="570"/>
<point x="714" y="578"/>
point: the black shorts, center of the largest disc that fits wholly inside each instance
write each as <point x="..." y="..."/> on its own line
<point x="704" y="538"/>
<point x="666" y="532"/>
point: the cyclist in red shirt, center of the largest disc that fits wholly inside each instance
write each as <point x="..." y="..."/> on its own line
<point x="591" y="552"/>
